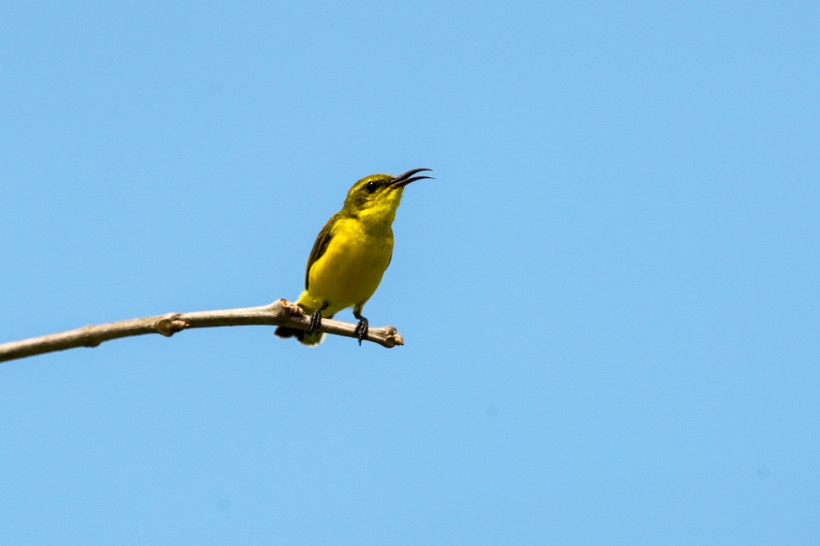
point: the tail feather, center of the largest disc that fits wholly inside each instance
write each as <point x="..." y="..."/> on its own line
<point x="285" y="332"/>
<point x="302" y="336"/>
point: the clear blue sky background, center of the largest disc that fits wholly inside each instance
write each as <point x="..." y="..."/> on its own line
<point x="610" y="296"/>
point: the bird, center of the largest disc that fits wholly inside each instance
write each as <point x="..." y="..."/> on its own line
<point x="351" y="253"/>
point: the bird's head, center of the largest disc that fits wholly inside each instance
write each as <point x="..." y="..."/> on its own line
<point x="376" y="198"/>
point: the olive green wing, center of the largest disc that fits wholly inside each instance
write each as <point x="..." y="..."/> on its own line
<point x="320" y="246"/>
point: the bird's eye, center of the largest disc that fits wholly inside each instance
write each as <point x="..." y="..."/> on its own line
<point x="371" y="186"/>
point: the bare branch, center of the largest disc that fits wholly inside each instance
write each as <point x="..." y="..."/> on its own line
<point x="279" y="313"/>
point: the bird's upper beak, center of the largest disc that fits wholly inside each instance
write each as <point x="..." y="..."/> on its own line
<point x="405" y="178"/>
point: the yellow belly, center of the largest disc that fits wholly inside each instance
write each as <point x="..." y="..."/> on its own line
<point x="351" y="268"/>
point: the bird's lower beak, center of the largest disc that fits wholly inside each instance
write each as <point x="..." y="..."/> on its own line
<point x="405" y="178"/>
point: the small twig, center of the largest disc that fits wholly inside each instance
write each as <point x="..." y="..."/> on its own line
<point x="279" y="313"/>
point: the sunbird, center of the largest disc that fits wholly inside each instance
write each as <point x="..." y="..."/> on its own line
<point x="351" y="253"/>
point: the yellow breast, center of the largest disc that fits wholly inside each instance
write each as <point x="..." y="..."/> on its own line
<point x="352" y="266"/>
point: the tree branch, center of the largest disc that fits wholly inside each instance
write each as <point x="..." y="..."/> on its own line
<point x="279" y="313"/>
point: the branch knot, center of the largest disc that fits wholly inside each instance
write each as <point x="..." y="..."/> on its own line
<point x="170" y="324"/>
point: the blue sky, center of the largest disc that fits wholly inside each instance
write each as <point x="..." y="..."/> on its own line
<point x="609" y="295"/>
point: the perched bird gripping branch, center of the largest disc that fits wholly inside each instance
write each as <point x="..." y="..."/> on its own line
<point x="351" y="253"/>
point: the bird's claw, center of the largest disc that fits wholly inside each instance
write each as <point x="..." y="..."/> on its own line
<point x="315" y="321"/>
<point x="361" y="330"/>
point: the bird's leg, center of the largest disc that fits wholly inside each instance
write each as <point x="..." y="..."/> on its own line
<point x="316" y="318"/>
<point x="361" y="329"/>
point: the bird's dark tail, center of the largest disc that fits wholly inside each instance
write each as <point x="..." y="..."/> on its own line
<point x="301" y="335"/>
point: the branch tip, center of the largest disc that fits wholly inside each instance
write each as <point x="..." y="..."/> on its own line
<point x="393" y="338"/>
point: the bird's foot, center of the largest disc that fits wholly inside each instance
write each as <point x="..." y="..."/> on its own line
<point x="361" y="329"/>
<point x="315" y="321"/>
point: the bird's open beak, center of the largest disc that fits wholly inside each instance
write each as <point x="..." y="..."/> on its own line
<point x="404" y="179"/>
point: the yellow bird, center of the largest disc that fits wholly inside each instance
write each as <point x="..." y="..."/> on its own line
<point x="351" y="254"/>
